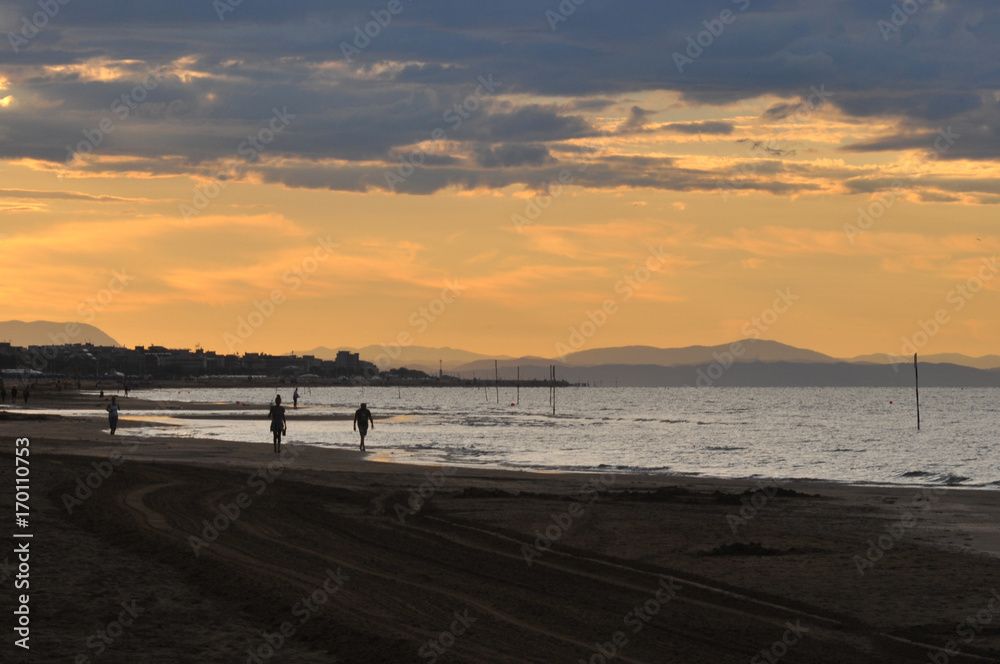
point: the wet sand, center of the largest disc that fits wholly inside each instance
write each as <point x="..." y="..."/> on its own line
<point x="226" y="552"/>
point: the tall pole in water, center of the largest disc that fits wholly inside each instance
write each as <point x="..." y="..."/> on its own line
<point x="496" y="379"/>
<point x="518" y="385"/>
<point x="553" y="389"/>
<point x="916" y="385"/>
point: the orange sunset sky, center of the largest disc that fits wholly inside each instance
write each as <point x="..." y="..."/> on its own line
<point x="873" y="203"/>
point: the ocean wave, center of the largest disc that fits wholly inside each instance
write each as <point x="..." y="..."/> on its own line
<point x="951" y="479"/>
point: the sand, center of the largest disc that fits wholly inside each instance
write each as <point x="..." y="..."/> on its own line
<point x="226" y="552"/>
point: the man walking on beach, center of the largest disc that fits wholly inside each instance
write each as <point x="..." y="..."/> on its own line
<point x="362" y="416"/>
<point x="278" y="425"/>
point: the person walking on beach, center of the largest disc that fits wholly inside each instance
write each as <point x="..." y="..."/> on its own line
<point x="13" y="395"/>
<point x="278" y="425"/>
<point x="362" y="416"/>
<point x="113" y="414"/>
<point x="295" y="398"/>
<point x="25" y="396"/>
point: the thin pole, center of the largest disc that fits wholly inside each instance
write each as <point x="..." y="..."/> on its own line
<point x="553" y="389"/>
<point x="496" y="379"/>
<point x="518" y="385"/>
<point x="916" y="385"/>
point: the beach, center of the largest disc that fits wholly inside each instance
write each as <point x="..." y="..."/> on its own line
<point x="178" y="549"/>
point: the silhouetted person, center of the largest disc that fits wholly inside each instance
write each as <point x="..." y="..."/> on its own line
<point x="362" y="416"/>
<point x="25" y="396"/>
<point x="278" y="425"/>
<point x="113" y="414"/>
<point x="295" y="398"/>
<point x="126" y="389"/>
<point x="13" y="395"/>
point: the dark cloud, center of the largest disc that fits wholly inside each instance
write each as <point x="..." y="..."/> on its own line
<point x="510" y="155"/>
<point x="422" y="72"/>
<point x="709" y="127"/>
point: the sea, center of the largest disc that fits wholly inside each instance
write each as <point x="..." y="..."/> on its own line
<point x="847" y="435"/>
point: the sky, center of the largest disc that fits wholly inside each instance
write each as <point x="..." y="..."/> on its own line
<point x="519" y="178"/>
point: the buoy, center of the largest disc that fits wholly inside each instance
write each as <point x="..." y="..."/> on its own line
<point x="511" y="403"/>
<point x="890" y="403"/>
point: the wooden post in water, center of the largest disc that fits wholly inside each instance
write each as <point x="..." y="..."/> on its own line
<point x="551" y="395"/>
<point x="496" y="379"/>
<point x="916" y="385"/>
<point x="553" y="389"/>
<point x="518" y="385"/>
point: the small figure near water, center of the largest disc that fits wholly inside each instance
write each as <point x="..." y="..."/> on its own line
<point x="295" y="398"/>
<point x="13" y="395"/>
<point x="279" y="427"/>
<point x="113" y="414"/>
<point x="362" y="416"/>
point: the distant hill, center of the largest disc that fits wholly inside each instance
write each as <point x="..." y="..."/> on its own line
<point x="752" y="350"/>
<point x="779" y="374"/>
<point x="42" y="332"/>
<point x="984" y="362"/>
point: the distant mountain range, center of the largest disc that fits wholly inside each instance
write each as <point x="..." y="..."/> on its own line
<point x="743" y="363"/>
<point x="41" y="333"/>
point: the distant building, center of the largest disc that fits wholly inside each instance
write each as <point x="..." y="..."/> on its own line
<point x="347" y="361"/>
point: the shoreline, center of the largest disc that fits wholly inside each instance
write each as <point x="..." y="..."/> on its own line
<point x="51" y="407"/>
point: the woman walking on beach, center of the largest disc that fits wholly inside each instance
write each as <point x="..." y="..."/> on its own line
<point x="278" y="425"/>
<point x="113" y="414"/>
